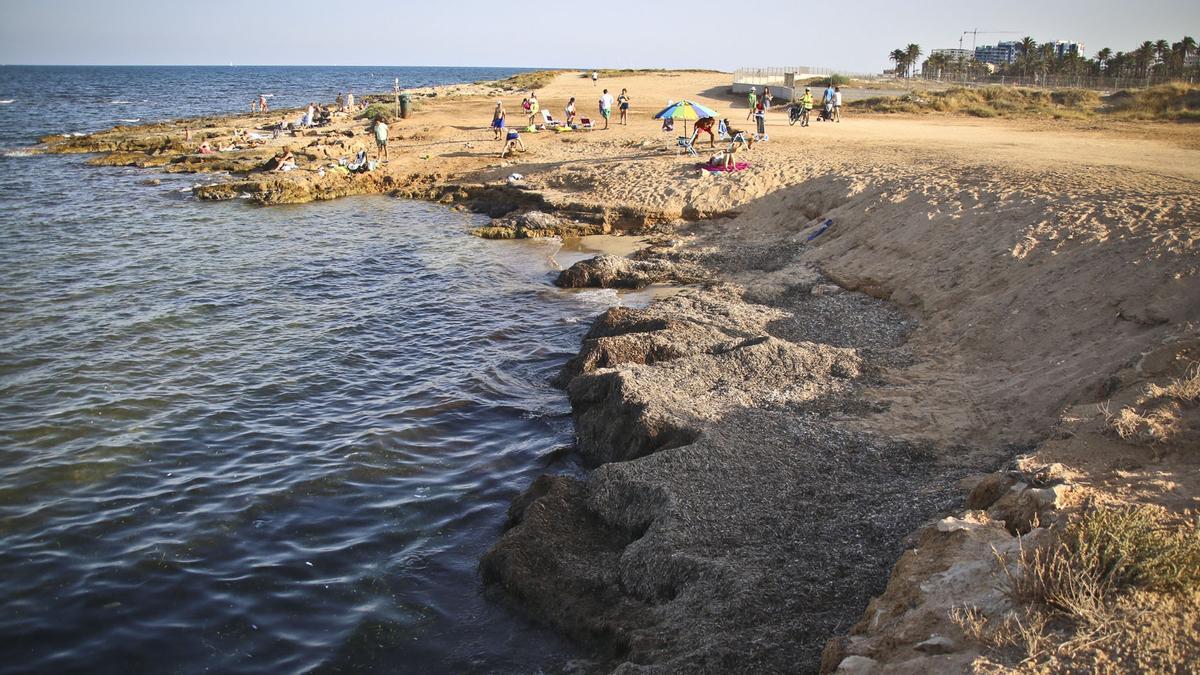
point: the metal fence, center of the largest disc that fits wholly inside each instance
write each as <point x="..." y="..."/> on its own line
<point x="1052" y="81"/>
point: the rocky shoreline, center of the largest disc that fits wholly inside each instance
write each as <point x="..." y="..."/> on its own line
<point x="917" y="381"/>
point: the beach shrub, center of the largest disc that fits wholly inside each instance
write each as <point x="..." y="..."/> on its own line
<point x="530" y="81"/>
<point x="378" y="109"/>
<point x="1105" y="552"/>
<point x="1166" y="102"/>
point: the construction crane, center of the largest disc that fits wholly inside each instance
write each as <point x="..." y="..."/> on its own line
<point x="976" y="33"/>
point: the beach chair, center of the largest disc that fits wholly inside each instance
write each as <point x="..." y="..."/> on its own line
<point x="549" y="120"/>
<point x="688" y="143"/>
<point x="586" y="123"/>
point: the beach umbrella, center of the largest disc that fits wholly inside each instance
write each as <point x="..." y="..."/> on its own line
<point x="684" y="110"/>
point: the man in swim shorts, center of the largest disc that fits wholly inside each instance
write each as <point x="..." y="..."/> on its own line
<point x="381" y="137"/>
<point x="606" y="103"/>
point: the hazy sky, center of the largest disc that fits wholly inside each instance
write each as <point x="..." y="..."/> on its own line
<point x="848" y="35"/>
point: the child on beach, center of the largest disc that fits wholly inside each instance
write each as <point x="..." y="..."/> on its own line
<point x="623" y="103"/>
<point x="512" y="140"/>
<point x="606" y="103"/>
<point x="752" y="102"/>
<point x="498" y="120"/>
<point x="570" y="111"/>
<point x="381" y="137"/>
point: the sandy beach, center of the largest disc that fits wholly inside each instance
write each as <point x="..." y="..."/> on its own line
<point x="817" y="450"/>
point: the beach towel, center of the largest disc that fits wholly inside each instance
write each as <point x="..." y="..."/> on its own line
<point x="738" y="166"/>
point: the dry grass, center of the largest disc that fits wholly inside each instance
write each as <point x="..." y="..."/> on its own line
<point x="1080" y="599"/>
<point x="1159" y="418"/>
<point x="1104" y="552"/>
<point x="1165" y="102"/>
<point x="531" y="81"/>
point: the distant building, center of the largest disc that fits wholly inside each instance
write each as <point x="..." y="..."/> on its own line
<point x="1064" y="48"/>
<point x="954" y="54"/>
<point x="998" y="54"/>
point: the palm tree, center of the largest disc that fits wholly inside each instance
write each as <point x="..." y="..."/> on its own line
<point x="1162" y="49"/>
<point x="937" y="63"/>
<point x="1104" y="55"/>
<point x="913" y="52"/>
<point x="1027" y="45"/>
<point x="900" y="58"/>
<point x="1145" y="57"/>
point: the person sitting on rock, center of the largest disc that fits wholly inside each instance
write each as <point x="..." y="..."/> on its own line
<point x="284" y="162"/>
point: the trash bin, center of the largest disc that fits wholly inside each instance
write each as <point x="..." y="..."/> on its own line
<point x="405" y="106"/>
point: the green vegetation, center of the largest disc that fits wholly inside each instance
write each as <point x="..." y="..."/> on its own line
<point x="835" y="80"/>
<point x="530" y="81"/>
<point x="1118" y="585"/>
<point x="1105" y="552"/>
<point x="378" y="109"/>
<point x="617" y="72"/>
<point x="1164" y="102"/>
<point x="1151" y="62"/>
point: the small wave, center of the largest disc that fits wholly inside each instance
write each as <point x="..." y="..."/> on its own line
<point x="18" y="153"/>
<point x="130" y="121"/>
<point x="119" y="102"/>
<point x="602" y="296"/>
<point x="6" y="101"/>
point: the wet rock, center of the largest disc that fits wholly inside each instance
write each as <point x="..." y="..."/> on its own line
<point x="610" y="271"/>
<point x="533" y="224"/>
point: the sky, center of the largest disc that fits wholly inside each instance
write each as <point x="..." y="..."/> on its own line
<point x="850" y="36"/>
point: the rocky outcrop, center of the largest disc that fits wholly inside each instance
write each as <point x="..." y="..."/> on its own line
<point x="534" y="224"/>
<point x="610" y="271"/>
<point x="731" y="522"/>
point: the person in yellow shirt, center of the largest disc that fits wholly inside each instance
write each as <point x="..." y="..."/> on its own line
<point x="807" y="102"/>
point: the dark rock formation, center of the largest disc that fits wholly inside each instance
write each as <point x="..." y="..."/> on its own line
<point x="610" y="271"/>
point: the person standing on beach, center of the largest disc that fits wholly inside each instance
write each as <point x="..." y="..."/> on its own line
<point x="807" y="102"/>
<point x="837" y="104"/>
<point x="827" y="96"/>
<point x="350" y="101"/>
<point x="498" y="120"/>
<point x="595" y="76"/>
<point x="534" y="108"/>
<point x="262" y="102"/>
<point x="623" y="104"/>
<point x="381" y="138"/>
<point x="751" y="102"/>
<point x="341" y="102"/>
<point x="570" y="111"/>
<point x="766" y="98"/>
<point x="606" y="103"/>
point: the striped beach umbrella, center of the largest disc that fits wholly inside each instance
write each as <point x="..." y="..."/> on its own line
<point x="684" y="110"/>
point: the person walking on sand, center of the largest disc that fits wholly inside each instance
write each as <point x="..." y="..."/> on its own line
<point x="498" y="120"/>
<point x="381" y="138"/>
<point x="837" y="104"/>
<point x="606" y="103"/>
<point x="807" y="102"/>
<point x="570" y="111"/>
<point x="262" y="102"/>
<point x="751" y="102"/>
<point x="534" y="108"/>
<point x="623" y="104"/>
<point x="595" y="76"/>
<point x="827" y="95"/>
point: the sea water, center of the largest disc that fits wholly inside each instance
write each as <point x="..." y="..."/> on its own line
<point x="247" y="439"/>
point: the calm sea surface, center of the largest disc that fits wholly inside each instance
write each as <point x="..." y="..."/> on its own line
<point x="244" y="439"/>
